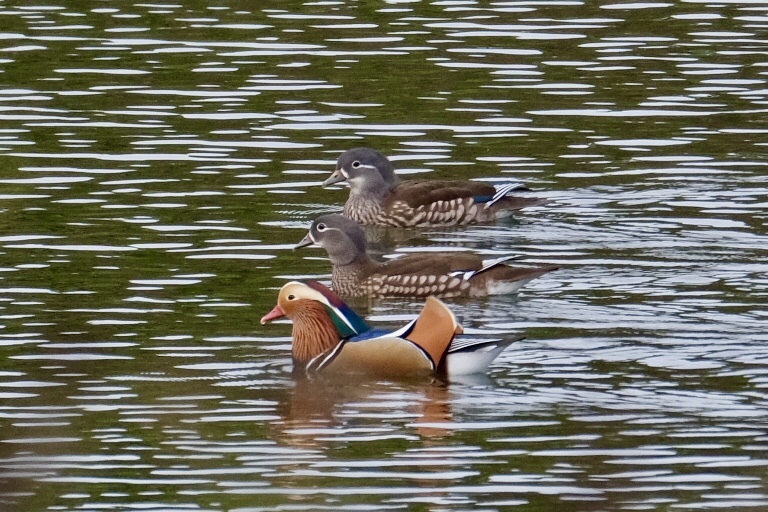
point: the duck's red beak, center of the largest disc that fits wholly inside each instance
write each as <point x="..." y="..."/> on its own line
<point x="275" y="313"/>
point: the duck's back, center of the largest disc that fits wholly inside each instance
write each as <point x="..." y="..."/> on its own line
<point x="445" y="203"/>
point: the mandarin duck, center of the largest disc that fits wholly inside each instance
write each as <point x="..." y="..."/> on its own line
<point x="377" y="196"/>
<point x="330" y="338"/>
<point x="452" y="274"/>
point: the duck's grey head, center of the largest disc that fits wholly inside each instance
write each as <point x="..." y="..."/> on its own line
<point x="366" y="170"/>
<point x="342" y="238"/>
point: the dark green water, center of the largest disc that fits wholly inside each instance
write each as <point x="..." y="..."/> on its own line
<point x="159" y="160"/>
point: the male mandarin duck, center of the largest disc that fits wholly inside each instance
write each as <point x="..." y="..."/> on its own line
<point x="377" y="196"/>
<point x="414" y="275"/>
<point x="330" y="338"/>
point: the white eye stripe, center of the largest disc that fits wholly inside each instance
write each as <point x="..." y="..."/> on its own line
<point x="358" y="167"/>
<point x="323" y="228"/>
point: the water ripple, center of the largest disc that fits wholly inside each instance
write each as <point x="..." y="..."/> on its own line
<point x="162" y="159"/>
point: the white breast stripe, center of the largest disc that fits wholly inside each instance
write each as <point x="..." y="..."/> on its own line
<point x="323" y="359"/>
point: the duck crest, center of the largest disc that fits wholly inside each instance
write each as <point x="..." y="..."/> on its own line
<point x="345" y="320"/>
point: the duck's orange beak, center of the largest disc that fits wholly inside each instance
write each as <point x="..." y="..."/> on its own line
<point x="275" y="313"/>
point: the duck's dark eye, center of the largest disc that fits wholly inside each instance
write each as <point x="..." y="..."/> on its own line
<point x="291" y="297"/>
<point x="321" y="227"/>
<point x="356" y="164"/>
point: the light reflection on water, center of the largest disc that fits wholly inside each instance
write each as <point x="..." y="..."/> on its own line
<point x="160" y="161"/>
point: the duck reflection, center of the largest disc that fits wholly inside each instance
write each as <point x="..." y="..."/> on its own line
<point x="320" y="409"/>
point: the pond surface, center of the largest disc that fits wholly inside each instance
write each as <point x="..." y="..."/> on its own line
<point x="160" y="160"/>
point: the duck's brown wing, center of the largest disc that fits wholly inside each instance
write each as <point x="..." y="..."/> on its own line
<point x="421" y="275"/>
<point x="430" y="264"/>
<point x="416" y="193"/>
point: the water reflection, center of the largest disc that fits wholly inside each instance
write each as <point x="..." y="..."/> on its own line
<point x="161" y="159"/>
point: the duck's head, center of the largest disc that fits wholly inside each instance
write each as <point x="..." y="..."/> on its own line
<point x="290" y="298"/>
<point x="312" y="298"/>
<point x="366" y="170"/>
<point x="342" y="238"/>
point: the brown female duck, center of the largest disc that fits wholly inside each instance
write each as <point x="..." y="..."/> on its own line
<point x="414" y="275"/>
<point x="377" y="196"/>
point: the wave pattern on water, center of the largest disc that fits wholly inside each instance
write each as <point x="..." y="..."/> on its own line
<point x="161" y="160"/>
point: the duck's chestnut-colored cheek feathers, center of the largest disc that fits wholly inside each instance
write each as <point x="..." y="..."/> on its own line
<point x="275" y="313"/>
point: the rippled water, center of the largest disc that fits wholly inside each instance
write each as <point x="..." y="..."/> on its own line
<point x="159" y="161"/>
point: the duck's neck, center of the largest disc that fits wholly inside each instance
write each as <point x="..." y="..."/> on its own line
<point x="348" y="253"/>
<point x="313" y="332"/>
<point x="374" y="187"/>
